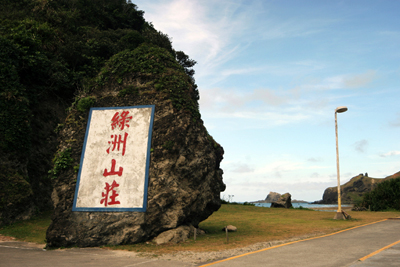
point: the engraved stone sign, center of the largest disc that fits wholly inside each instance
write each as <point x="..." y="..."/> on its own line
<point x="113" y="174"/>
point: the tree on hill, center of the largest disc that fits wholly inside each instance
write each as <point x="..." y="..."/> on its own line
<point x="386" y="195"/>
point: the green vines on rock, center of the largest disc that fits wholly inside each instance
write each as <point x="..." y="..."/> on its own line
<point x="61" y="161"/>
<point x="151" y="63"/>
<point x="144" y="60"/>
<point x="212" y="141"/>
<point x="85" y="103"/>
<point x="176" y="84"/>
<point x="130" y="90"/>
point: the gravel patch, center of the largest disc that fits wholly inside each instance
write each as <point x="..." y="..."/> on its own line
<point x="203" y="257"/>
<point x="6" y="238"/>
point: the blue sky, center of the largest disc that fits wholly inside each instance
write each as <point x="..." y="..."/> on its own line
<point x="270" y="75"/>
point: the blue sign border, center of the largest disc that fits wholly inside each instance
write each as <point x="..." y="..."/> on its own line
<point x="146" y="180"/>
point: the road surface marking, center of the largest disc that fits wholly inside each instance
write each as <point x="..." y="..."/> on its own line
<point x="285" y="244"/>
<point x="379" y="250"/>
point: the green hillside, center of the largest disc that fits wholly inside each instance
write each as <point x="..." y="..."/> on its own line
<point x="51" y="53"/>
<point x="354" y="190"/>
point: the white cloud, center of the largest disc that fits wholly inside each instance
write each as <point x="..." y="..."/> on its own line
<point x="285" y="169"/>
<point x="315" y="175"/>
<point x="360" y="146"/>
<point x="319" y="159"/>
<point x="204" y="31"/>
<point x="242" y="168"/>
<point x="396" y="123"/>
<point x="342" y="81"/>
<point x="224" y="99"/>
<point x="288" y="30"/>
<point x="390" y="153"/>
<point x="360" y="80"/>
<point x="265" y="106"/>
<point x="310" y="64"/>
<point x="394" y="34"/>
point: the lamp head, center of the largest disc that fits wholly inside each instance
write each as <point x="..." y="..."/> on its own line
<point x="341" y="109"/>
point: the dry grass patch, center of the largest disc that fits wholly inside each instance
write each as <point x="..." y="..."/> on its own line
<point x="259" y="224"/>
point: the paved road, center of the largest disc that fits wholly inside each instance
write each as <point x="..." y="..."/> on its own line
<point x="21" y="254"/>
<point x="341" y="249"/>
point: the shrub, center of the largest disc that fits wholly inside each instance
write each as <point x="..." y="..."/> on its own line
<point x="61" y="161"/>
<point x="85" y="103"/>
<point x="386" y="196"/>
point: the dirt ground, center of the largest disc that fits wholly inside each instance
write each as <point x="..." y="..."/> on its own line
<point x="6" y="238"/>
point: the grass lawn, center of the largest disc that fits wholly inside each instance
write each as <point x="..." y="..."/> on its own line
<point x="255" y="224"/>
<point x="33" y="230"/>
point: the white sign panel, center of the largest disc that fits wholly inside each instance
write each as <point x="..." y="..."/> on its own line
<point x="115" y="160"/>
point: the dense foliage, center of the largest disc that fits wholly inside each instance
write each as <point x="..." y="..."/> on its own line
<point x="53" y="46"/>
<point x="385" y="196"/>
<point x="50" y="50"/>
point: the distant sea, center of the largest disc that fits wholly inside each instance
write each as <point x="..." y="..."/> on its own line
<point x="328" y="207"/>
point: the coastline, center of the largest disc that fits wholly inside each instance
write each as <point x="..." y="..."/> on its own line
<point x="294" y="201"/>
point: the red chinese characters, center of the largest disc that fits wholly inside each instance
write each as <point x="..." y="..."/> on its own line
<point x="118" y="143"/>
<point x="112" y="171"/>
<point x="107" y="198"/>
<point x="120" y="120"/>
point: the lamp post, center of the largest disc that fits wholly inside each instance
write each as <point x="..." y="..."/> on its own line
<point x="339" y="214"/>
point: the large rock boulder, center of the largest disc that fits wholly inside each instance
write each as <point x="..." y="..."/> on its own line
<point x="176" y="235"/>
<point x="185" y="179"/>
<point x="272" y="197"/>
<point x="285" y="201"/>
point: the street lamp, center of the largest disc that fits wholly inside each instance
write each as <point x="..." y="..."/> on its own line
<point x="339" y="214"/>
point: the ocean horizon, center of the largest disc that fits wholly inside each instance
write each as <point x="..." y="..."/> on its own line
<point x="307" y="205"/>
